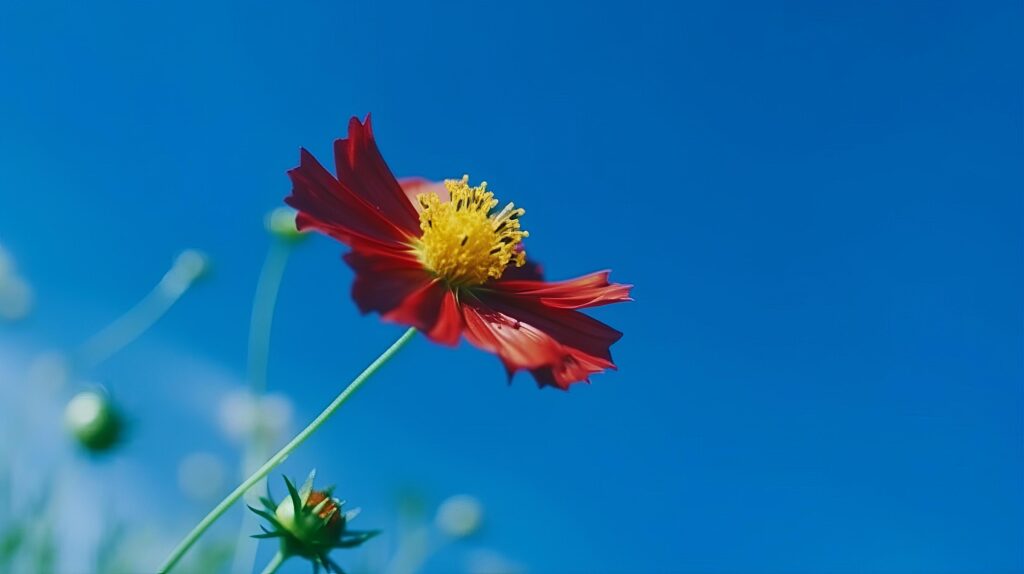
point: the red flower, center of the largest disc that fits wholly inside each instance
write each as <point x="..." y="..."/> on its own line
<point x="441" y="258"/>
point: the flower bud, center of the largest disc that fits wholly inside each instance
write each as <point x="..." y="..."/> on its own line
<point x="94" y="421"/>
<point x="189" y="266"/>
<point x="192" y="263"/>
<point x="310" y="523"/>
<point x="317" y="523"/>
<point x="281" y="223"/>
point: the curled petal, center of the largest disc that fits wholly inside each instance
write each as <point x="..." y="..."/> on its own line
<point x="588" y="291"/>
<point x="558" y="346"/>
<point x="362" y="169"/>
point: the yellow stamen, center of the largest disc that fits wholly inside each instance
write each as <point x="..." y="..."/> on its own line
<point x="463" y="242"/>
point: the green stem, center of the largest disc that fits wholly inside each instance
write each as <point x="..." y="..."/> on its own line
<point x="275" y="563"/>
<point x="282" y="454"/>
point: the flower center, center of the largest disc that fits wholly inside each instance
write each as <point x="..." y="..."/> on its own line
<point x="464" y="241"/>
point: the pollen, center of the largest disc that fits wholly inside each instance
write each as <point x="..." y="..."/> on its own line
<point x="465" y="240"/>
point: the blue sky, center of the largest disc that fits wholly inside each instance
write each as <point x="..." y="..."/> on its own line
<point x="819" y="205"/>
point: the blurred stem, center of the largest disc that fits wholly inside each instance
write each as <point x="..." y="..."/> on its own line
<point x="414" y="548"/>
<point x="282" y="454"/>
<point x="262" y="317"/>
<point x="275" y="563"/>
<point x="134" y="322"/>
<point x="257" y="443"/>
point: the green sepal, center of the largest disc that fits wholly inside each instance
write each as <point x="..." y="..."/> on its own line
<point x="268" y="503"/>
<point x="268" y="516"/>
<point x="353" y="538"/>
<point x="307" y="487"/>
<point x="294" y="495"/>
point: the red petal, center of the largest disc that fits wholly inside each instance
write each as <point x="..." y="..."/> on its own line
<point x="326" y="205"/>
<point x="558" y="346"/>
<point x="362" y="169"/>
<point x="431" y="309"/>
<point x="402" y="291"/>
<point x="588" y="291"/>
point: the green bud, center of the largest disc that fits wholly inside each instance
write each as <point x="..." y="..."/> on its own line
<point x="94" y="421"/>
<point x="318" y="522"/>
<point x="189" y="266"/>
<point x="192" y="264"/>
<point x="281" y="223"/>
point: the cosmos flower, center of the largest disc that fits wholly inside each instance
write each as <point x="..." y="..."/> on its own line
<point x="447" y="260"/>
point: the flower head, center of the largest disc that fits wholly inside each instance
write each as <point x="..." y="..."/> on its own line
<point x="449" y="261"/>
<point x="310" y="523"/>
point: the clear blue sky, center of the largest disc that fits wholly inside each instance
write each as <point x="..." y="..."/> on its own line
<point x="819" y="204"/>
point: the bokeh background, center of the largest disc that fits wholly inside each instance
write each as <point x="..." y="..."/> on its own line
<point x="819" y="203"/>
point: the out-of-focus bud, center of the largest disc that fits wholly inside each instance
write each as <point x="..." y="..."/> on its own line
<point x="281" y="223"/>
<point x="94" y="421"/>
<point x="189" y="266"/>
<point x="201" y="475"/>
<point x="460" y="516"/>
<point x="310" y="523"/>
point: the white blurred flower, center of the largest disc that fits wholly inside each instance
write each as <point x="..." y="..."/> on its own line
<point x="16" y="296"/>
<point x="201" y="475"/>
<point x="237" y="414"/>
<point x="6" y="262"/>
<point x="460" y="515"/>
<point x="275" y="414"/>
<point x="242" y="414"/>
<point x="491" y="562"/>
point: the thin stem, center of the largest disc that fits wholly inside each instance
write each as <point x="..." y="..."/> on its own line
<point x="262" y="317"/>
<point x="139" y="318"/>
<point x="258" y="441"/>
<point x="275" y="563"/>
<point x="282" y="454"/>
<point x="126" y="328"/>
